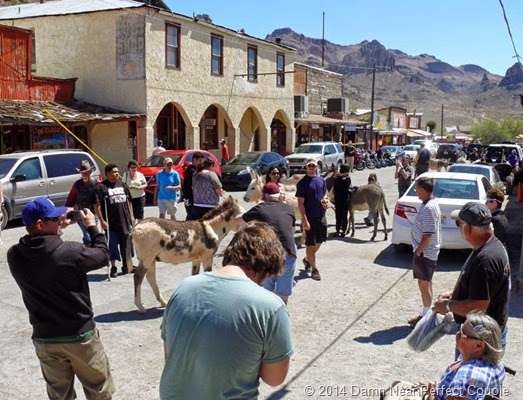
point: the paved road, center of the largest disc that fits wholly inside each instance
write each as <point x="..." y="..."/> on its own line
<point x="349" y="329"/>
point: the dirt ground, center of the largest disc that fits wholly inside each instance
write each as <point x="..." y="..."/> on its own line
<point x="348" y="330"/>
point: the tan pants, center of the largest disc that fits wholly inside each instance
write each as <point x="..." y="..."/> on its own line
<point x="88" y="361"/>
<point x="350" y="162"/>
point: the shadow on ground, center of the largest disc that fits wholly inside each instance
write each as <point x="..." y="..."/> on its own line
<point x="448" y="260"/>
<point x="386" y="336"/>
<point x="120" y="316"/>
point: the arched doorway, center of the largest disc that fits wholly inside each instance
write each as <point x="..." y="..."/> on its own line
<point x="250" y="137"/>
<point x="170" y="127"/>
<point x="279" y="130"/>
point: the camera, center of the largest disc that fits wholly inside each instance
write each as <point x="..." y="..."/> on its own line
<point x="74" y="216"/>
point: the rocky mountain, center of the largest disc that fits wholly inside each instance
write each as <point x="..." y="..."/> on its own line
<point x="423" y="83"/>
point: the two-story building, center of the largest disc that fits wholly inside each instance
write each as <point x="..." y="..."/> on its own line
<point x="320" y="110"/>
<point x="196" y="82"/>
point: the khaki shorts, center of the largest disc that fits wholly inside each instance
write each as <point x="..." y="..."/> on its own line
<point x="62" y="361"/>
<point x="167" y="207"/>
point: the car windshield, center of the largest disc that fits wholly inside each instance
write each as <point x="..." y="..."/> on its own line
<point x="310" y="149"/>
<point x="245" y="159"/>
<point x="5" y="166"/>
<point x="470" y="170"/>
<point x="390" y="149"/>
<point x="410" y="148"/>
<point x="157" y="161"/>
<point x="448" y="188"/>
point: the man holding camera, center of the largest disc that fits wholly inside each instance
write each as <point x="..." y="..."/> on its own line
<point x="52" y="275"/>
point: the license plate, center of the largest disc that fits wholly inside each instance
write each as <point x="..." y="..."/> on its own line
<point x="445" y="152"/>
<point x="443" y="219"/>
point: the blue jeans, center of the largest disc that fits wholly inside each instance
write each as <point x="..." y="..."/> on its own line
<point x="86" y="237"/>
<point x="282" y="284"/>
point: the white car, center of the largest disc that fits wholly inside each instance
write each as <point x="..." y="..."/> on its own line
<point x="410" y="150"/>
<point x="451" y="191"/>
<point x="480" y="169"/>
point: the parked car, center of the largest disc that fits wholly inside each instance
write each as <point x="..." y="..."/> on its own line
<point x="429" y="144"/>
<point x="487" y="171"/>
<point x="470" y="148"/>
<point x="498" y="153"/>
<point x="410" y="150"/>
<point x="26" y="175"/>
<point x="181" y="160"/>
<point x="451" y="190"/>
<point x="327" y="154"/>
<point x="449" y="151"/>
<point x="236" y="174"/>
<point x="392" y="150"/>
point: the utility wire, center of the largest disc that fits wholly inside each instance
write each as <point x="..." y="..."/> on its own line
<point x="518" y="58"/>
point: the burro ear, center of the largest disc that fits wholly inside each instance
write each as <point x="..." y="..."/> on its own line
<point x="254" y="174"/>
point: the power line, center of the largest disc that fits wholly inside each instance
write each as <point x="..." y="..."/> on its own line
<point x="518" y="58"/>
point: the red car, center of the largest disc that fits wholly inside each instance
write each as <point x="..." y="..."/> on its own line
<point x="181" y="160"/>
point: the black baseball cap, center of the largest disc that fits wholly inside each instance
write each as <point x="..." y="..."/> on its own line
<point x="473" y="213"/>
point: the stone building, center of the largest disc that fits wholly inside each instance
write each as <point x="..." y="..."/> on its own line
<point x="195" y="82"/>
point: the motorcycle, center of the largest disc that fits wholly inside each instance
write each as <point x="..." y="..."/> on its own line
<point x="359" y="162"/>
<point x="369" y="162"/>
<point x="387" y="159"/>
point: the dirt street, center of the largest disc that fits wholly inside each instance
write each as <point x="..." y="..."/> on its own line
<point x="349" y="329"/>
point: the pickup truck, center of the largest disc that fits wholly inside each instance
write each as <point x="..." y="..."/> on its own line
<point x="329" y="155"/>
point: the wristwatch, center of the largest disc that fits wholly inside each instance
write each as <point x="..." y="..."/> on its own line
<point x="448" y="306"/>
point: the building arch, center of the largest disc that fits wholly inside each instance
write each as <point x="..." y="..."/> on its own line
<point x="171" y="127"/>
<point x="281" y="133"/>
<point x="252" y="131"/>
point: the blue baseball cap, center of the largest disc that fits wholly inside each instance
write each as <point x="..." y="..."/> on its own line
<point x="40" y="208"/>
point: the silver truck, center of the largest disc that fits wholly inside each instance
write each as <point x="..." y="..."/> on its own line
<point x="329" y="155"/>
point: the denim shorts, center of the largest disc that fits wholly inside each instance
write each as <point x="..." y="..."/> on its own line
<point x="282" y="284"/>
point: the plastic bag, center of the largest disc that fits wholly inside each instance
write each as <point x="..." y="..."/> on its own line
<point x="429" y="330"/>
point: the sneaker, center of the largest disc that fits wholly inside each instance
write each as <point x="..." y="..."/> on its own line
<point x="413" y="321"/>
<point x="124" y="270"/>
<point x="307" y="265"/>
<point x="368" y="222"/>
<point x="315" y="274"/>
<point x="114" y="272"/>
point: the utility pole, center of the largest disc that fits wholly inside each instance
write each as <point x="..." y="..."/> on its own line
<point x="441" y="126"/>
<point x="372" y="101"/>
<point x="323" y="43"/>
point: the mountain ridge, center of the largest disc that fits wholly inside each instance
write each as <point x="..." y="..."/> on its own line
<point x="468" y="92"/>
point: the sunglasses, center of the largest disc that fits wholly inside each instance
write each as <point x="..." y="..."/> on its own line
<point x="464" y="336"/>
<point x="311" y="166"/>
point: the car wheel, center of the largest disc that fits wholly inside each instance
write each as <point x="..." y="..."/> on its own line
<point x="4" y="218"/>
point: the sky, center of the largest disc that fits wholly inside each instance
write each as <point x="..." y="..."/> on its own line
<point x="455" y="31"/>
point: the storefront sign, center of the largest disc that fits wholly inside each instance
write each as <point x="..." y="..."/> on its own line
<point x="51" y="137"/>
<point x="207" y="122"/>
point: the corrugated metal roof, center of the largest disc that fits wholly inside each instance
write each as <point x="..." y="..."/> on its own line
<point x="33" y="112"/>
<point x="64" y="7"/>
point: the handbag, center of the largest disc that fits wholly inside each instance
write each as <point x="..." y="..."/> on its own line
<point x="401" y="390"/>
<point x="429" y="330"/>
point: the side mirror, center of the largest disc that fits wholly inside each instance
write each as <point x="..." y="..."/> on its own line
<point x="18" y="178"/>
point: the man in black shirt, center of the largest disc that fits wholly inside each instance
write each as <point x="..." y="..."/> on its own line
<point x="484" y="281"/>
<point x="281" y="217"/>
<point x="52" y="275"/>
<point x="115" y="212"/>
<point x="422" y="160"/>
<point x="495" y="198"/>
<point x="188" y="195"/>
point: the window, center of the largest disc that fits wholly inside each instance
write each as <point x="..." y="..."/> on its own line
<point x="172" y="45"/>
<point x="280" y="69"/>
<point x="30" y="169"/>
<point x="58" y="165"/>
<point x="216" y="55"/>
<point x="252" y="63"/>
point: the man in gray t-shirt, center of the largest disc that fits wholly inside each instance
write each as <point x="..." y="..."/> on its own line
<point x="222" y="331"/>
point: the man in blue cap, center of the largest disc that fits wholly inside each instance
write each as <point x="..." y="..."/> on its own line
<point x="52" y="275"/>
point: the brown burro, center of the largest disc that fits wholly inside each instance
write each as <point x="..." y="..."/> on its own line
<point x="177" y="242"/>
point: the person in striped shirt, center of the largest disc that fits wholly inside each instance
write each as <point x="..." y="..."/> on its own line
<point x="426" y="242"/>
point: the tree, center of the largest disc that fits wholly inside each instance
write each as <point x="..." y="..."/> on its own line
<point x="495" y="132"/>
<point x="431" y="125"/>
